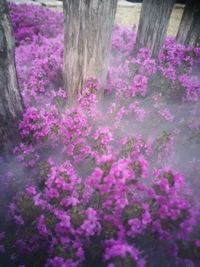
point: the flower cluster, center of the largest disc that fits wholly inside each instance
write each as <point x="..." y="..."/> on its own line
<point x="100" y="179"/>
<point x="28" y="21"/>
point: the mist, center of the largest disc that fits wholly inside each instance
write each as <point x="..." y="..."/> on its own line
<point x="149" y="114"/>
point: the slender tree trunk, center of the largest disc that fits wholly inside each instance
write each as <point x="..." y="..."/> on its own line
<point x="189" y="30"/>
<point x="10" y="99"/>
<point x="154" y="19"/>
<point x="88" y="28"/>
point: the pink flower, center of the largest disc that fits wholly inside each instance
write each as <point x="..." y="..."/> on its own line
<point x="139" y="85"/>
<point x="197" y="242"/>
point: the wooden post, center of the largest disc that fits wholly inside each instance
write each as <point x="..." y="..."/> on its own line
<point x="87" y="39"/>
<point x="11" y="106"/>
<point x="189" y="30"/>
<point x="154" y="20"/>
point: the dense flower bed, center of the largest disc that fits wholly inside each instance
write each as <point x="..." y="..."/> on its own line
<point x="103" y="183"/>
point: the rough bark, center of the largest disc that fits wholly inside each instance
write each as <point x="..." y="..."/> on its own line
<point x="87" y="40"/>
<point x="154" y="19"/>
<point x="10" y="99"/>
<point x="189" y="30"/>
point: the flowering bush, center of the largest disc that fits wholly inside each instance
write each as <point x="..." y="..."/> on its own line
<point x="29" y="21"/>
<point x="101" y="185"/>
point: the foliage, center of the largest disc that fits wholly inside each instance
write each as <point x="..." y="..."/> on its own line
<point x="100" y="193"/>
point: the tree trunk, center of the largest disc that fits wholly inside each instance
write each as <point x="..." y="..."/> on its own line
<point x="189" y="30"/>
<point x="88" y="29"/>
<point x="154" y="19"/>
<point x="10" y="99"/>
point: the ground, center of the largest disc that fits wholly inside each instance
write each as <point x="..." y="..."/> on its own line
<point x="129" y="15"/>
